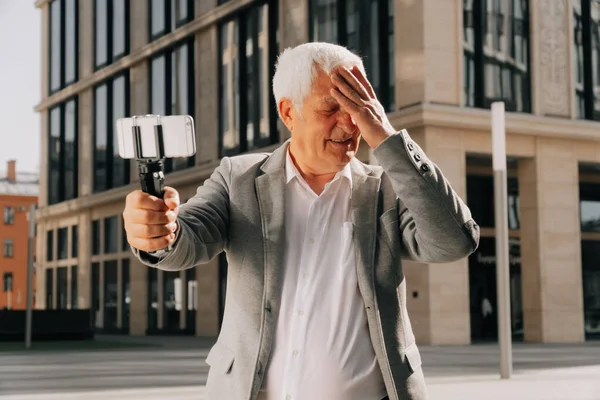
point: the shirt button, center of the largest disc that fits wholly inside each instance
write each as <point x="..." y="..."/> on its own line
<point x="311" y="241"/>
<point x="301" y="312"/>
<point x="288" y="397"/>
<point x="295" y="353"/>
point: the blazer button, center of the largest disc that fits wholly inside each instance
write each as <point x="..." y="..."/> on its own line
<point x="410" y="146"/>
<point x="417" y="157"/>
<point x="425" y="167"/>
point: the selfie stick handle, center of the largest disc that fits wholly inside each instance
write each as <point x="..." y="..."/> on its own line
<point x="150" y="170"/>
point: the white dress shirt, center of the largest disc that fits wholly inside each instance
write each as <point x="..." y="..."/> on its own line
<point x="322" y="348"/>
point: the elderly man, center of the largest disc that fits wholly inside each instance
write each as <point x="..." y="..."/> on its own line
<point x="316" y="295"/>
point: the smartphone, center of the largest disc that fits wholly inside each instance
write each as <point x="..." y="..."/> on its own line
<point x="178" y="136"/>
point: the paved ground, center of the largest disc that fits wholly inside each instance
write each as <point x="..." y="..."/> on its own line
<point x="174" y="369"/>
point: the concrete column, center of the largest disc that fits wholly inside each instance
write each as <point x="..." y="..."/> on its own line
<point x="293" y="23"/>
<point x="138" y="274"/>
<point x="551" y="244"/>
<point x="86" y="143"/>
<point x="438" y="294"/>
<point x="551" y="61"/>
<point x="86" y="38"/>
<point x="204" y="6"/>
<point x="138" y="28"/>
<point x="207" y="314"/>
<point x="207" y="97"/>
<point x="428" y="51"/>
<point x="40" y="271"/>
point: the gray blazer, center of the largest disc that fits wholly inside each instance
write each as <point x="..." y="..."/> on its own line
<point x="403" y="209"/>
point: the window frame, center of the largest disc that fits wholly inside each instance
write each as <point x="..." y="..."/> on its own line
<point x="9" y="248"/>
<point x="587" y="94"/>
<point x="479" y="18"/>
<point x="385" y="95"/>
<point x="62" y="182"/>
<point x="63" y="42"/>
<point x="5" y="286"/>
<point x="110" y="133"/>
<point x="241" y="16"/>
<point x="167" y="54"/>
<point x="9" y="215"/>
<point x="167" y="21"/>
<point x="110" y="57"/>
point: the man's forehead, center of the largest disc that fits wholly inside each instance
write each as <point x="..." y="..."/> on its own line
<point x="328" y="100"/>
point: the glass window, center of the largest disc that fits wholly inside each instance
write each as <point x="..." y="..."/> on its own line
<point x="168" y="15"/>
<point x="480" y="198"/>
<point x="70" y="154"/>
<point x="101" y="138"/>
<point x="172" y="89"/>
<point x="95" y="237"/>
<point x="120" y="166"/>
<point x="111" y="103"/>
<point x="589" y="207"/>
<point x="49" y="288"/>
<point x="74" y="286"/>
<point x="496" y="53"/>
<point x="74" y="241"/>
<point x="101" y="32"/>
<point x="9" y="215"/>
<point x="158" y="88"/>
<point x="63" y="245"/>
<point x="62" y="288"/>
<point x="246" y="119"/>
<point x="157" y="20"/>
<point x="55" y="45"/>
<point x="152" y="299"/>
<point x="111" y="230"/>
<point x="120" y="24"/>
<point x="126" y="298"/>
<point x="590" y="254"/>
<point x="324" y="15"/>
<point x="54" y="152"/>
<point x="586" y="53"/>
<point x="50" y="246"/>
<point x="112" y="30"/>
<point x="8" y="248"/>
<point x="63" y="43"/>
<point x="96" y="316"/>
<point x="70" y="41"/>
<point x="192" y="299"/>
<point x="8" y="282"/>
<point x="110" y="295"/>
<point x="172" y="300"/>
<point x="62" y="152"/>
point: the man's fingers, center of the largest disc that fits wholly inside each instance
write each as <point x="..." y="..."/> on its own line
<point x="345" y="102"/>
<point x="140" y="200"/>
<point x="171" y="198"/>
<point x="143" y="231"/>
<point x="347" y="90"/>
<point x="363" y="81"/>
<point x="352" y="81"/>
<point x="151" y="244"/>
<point x="149" y="217"/>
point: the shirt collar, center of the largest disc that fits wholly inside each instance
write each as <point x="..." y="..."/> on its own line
<point x="292" y="172"/>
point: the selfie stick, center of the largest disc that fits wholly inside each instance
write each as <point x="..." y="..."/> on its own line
<point x="150" y="169"/>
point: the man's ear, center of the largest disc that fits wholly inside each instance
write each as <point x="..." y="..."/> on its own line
<point x="286" y="111"/>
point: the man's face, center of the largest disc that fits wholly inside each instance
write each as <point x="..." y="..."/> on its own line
<point x="325" y="138"/>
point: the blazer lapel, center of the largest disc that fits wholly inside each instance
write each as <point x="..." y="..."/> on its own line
<point x="270" y="189"/>
<point x="365" y="189"/>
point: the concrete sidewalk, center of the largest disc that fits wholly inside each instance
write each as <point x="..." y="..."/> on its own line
<point x="173" y="368"/>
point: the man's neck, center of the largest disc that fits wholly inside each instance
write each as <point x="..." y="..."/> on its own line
<point x="314" y="180"/>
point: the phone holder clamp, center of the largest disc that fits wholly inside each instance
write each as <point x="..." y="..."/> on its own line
<point x="150" y="169"/>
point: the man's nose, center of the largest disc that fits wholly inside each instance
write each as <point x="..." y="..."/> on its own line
<point x="346" y="122"/>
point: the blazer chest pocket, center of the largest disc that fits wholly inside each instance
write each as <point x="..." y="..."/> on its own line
<point x="220" y="358"/>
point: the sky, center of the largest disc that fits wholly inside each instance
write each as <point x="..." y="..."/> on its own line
<point x="20" y="84"/>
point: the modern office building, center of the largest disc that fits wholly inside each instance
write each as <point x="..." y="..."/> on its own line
<point x="18" y="191"/>
<point x="437" y="65"/>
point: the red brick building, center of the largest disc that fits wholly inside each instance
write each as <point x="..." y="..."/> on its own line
<point x="17" y="192"/>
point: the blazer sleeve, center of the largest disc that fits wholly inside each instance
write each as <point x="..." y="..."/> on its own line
<point x="435" y="223"/>
<point x="203" y="225"/>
